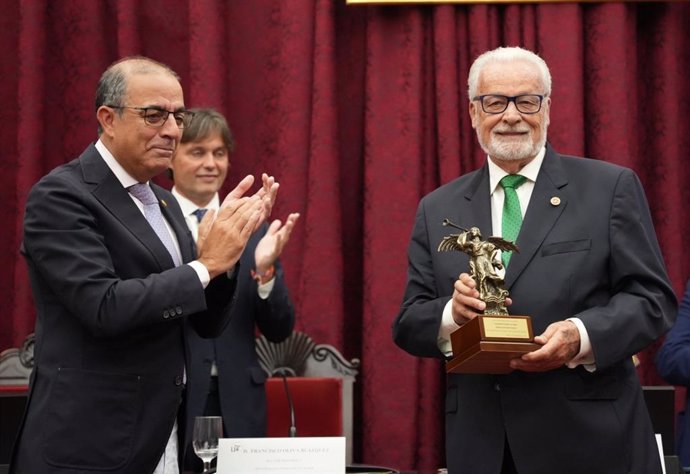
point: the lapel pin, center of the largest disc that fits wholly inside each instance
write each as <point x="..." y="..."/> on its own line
<point x="555" y="201"/>
<point x="165" y="204"/>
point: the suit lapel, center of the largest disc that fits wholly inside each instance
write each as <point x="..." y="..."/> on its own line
<point x="475" y="208"/>
<point x="109" y="191"/>
<point x="547" y="203"/>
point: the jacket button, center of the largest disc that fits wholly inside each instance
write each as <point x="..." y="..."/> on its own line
<point x="497" y="387"/>
<point x="178" y="380"/>
<point x="166" y="314"/>
<point x="178" y="310"/>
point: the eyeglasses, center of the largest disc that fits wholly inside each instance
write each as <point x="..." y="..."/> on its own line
<point x="157" y="116"/>
<point x="497" y="104"/>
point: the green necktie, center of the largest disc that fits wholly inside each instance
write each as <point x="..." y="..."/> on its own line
<point x="512" y="215"/>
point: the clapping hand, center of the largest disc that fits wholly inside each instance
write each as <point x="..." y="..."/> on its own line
<point x="224" y="235"/>
<point x="272" y="244"/>
<point x="266" y="193"/>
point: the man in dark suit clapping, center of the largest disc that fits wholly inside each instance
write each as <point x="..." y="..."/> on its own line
<point x="225" y="378"/>
<point x="115" y="274"/>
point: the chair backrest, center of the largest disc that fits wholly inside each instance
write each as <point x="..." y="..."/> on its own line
<point x="316" y="406"/>
<point x="16" y="364"/>
<point x="317" y="373"/>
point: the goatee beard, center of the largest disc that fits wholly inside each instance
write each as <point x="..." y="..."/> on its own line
<point x="507" y="151"/>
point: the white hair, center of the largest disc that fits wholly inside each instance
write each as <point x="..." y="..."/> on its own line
<point x="507" y="54"/>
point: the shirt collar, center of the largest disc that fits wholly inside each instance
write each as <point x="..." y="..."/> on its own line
<point x="529" y="171"/>
<point x="188" y="207"/>
<point x="122" y="176"/>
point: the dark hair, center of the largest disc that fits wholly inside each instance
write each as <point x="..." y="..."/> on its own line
<point x="204" y="122"/>
<point x="112" y="87"/>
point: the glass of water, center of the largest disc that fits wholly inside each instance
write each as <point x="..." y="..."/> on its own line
<point x="207" y="431"/>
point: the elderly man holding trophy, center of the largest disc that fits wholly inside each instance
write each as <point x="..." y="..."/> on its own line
<point x="566" y="243"/>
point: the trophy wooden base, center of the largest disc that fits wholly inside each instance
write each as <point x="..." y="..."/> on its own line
<point x="486" y="344"/>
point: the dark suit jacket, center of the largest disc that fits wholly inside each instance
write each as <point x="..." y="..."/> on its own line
<point x="594" y="256"/>
<point x="241" y="379"/>
<point x="673" y="363"/>
<point x="110" y="351"/>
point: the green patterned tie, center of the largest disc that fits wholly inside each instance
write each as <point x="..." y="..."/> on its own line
<point x="512" y="215"/>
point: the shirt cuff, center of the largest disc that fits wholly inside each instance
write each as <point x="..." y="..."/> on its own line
<point x="265" y="289"/>
<point x="448" y="325"/>
<point x="585" y="357"/>
<point x="201" y="272"/>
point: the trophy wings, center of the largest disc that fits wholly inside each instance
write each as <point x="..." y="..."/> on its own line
<point x="503" y="244"/>
<point x="453" y="242"/>
<point x="450" y="242"/>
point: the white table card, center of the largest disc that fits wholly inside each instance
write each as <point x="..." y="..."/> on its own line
<point x="324" y="455"/>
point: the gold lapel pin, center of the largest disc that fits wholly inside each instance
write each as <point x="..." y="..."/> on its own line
<point x="165" y="204"/>
<point x="555" y="201"/>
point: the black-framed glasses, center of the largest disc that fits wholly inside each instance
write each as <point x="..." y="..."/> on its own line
<point x="157" y="116"/>
<point x="497" y="104"/>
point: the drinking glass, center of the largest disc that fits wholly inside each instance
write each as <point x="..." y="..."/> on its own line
<point x="207" y="431"/>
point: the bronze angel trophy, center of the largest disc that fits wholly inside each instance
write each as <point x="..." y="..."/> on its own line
<point x="486" y="343"/>
<point x="485" y="264"/>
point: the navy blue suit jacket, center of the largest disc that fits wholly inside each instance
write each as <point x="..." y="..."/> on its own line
<point x="241" y="379"/>
<point x="110" y="351"/>
<point x="594" y="256"/>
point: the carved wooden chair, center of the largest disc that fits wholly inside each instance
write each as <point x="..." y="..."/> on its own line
<point x="320" y="384"/>
<point x="16" y="364"/>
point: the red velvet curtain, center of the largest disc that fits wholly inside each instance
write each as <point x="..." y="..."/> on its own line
<point x="359" y="111"/>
